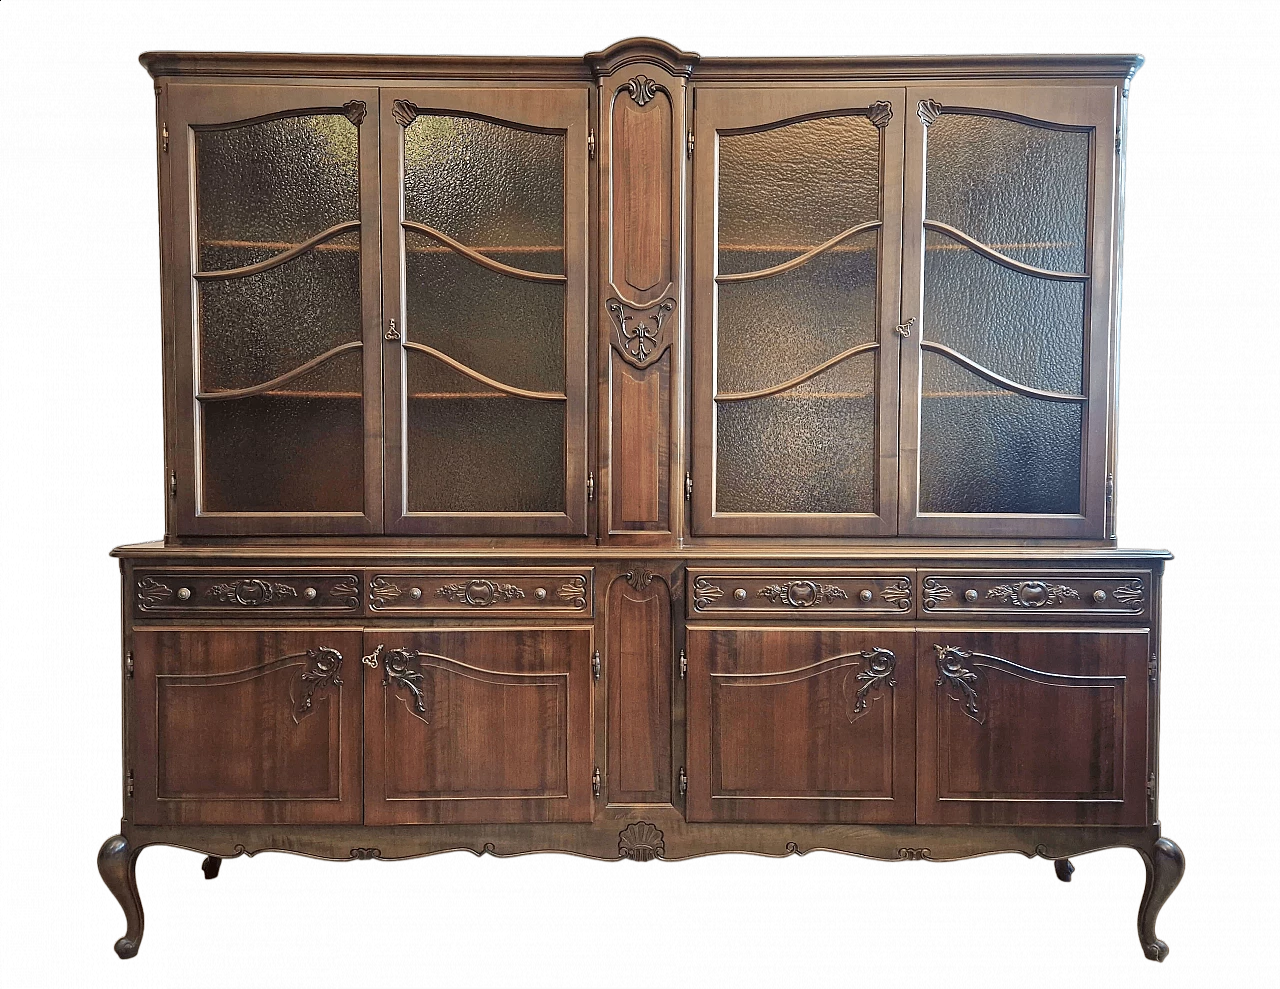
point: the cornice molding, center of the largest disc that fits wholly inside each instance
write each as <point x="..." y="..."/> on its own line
<point x="641" y="51"/>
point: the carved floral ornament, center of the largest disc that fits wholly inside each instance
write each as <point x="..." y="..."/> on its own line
<point x="479" y="593"/>
<point x="881" y="664"/>
<point x="642" y="89"/>
<point x="639" y="334"/>
<point x="802" y="593"/>
<point x="321" y="672"/>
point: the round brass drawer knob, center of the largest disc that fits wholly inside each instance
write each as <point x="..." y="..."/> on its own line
<point x="310" y="593"/>
<point x="740" y="594"/>
<point x="415" y="593"/>
<point x="865" y="596"/>
<point x="971" y="595"/>
<point x="1099" y="596"/>
<point x="184" y="593"/>
<point x="540" y="593"/>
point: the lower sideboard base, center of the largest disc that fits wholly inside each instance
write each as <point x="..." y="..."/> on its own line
<point x="644" y="835"/>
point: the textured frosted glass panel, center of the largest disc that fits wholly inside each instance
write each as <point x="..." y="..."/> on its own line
<point x="1028" y="329"/>
<point x="795" y="186"/>
<point x="506" y="328"/>
<point x="487" y="185"/>
<point x="809" y="449"/>
<point x="1021" y="189"/>
<point x="300" y="449"/>
<point x="984" y="449"/>
<point x="276" y="183"/>
<point x="471" y="449"/>
<point x="772" y="329"/>
<point x="257" y="327"/>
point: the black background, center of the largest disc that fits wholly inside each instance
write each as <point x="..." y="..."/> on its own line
<point x="557" y="915"/>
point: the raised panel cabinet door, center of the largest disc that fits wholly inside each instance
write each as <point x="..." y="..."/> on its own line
<point x="253" y="726"/>
<point x="485" y="344"/>
<point x="1033" y="727"/>
<point x="478" y="725"/>
<point x="796" y="245"/>
<point x="1008" y="265"/>
<point x="272" y="267"/>
<point x="801" y="725"/>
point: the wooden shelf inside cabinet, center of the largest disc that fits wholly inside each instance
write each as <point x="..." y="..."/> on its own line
<point x="336" y="245"/>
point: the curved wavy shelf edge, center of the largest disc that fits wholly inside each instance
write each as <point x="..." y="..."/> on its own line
<point x="481" y="259"/>
<point x="796" y="262"/>
<point x="222" y="396"/>
<point x="999" y="379"/>
<point x="990" y="252"/>
<point x="281" y="258"/>
<point x="738" y="396"/>
<point x="474" y="375"/>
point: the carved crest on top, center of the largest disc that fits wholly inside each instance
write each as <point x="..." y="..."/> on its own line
<point x="642" y="89"/>
<point x="639" y="335"/>
<point x="642" y="51"/>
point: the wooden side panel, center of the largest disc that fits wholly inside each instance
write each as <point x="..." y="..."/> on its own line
<point x="641" y="439"/>
<point x="1033" y="727"/>
<point x="802" y="725"/>
<point x="470" y="726"/>
<point x="247" y="727"/>
<point x="639" y="670"/>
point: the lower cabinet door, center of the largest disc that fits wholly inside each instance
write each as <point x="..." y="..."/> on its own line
<point x="246" y="726"/>
<point x="801" y="725"/>
<point x="478" y="725"/>
<point x="1033" y="727"/>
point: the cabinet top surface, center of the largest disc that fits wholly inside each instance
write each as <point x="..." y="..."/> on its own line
<point x="259" y="64"/>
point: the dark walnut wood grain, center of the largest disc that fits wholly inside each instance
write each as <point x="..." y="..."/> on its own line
<point x="638" y="667"/>
<point x="478" y="725"/>
<point x="1033" y="727"/>
<point x="812" y="724"/>
<point x="240" y="727"/>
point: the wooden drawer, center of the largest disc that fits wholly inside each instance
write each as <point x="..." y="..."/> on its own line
<point x="1035" y="594"/>
<point x="799" y="591"/>
<point x="507" y="591"/>
<point x="188" y="593"/>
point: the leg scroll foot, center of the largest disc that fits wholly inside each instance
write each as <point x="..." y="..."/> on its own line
<point x="116" y="863"/>
<point x="1165" y="866"/>
<point x="1063" y="868"/>
<point x="211" y="865"/>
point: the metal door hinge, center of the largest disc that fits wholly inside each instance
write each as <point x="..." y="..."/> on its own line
<point x="591" y="486"/>
<point x="595" y="782"/>
<point x="164" y="137"/>
<point x="1153" y="668"/>
<point x="1151" y="787"/>
<point x="128" y="786"/>
<point x="591" y="143"/>
<point x="1117" y="139"/>
<point x="1110" y="506"/>
<point x="690" y="145"/>
<point x="684" y="782"/>
<point x="688" y="485"/>
<point x="904" y="329"/>
<point x="392" y="333"/>
<point x="684" y="664"/>
<point x="173" y="484"/>
<point x="595" y="665"/>
<point x="128" y="664"/>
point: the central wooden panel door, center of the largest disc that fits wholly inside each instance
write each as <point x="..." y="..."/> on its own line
<point x="478" y="725"/>
<point x="485" y="340"/>
<point x="797" y="220"/>
<point x="801" y="724"/>
<point x="271" y="268"/>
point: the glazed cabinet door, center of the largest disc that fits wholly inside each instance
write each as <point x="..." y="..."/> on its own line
<point x="272" y="268"/>
<point x="478" y="725"/>
<point x="796" y="247"/>
<point x="1033" y="727"/>
<point x="801" y="725"/>
<point x="251" y="726"/>
<point x="1008" y="252"/>
<point x="485" y="343"/>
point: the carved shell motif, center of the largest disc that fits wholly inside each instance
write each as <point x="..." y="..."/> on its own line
<point x="642" y="89"/>
<point x="641" y="842"/>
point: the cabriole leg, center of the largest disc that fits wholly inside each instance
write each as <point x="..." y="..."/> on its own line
<point x="1165" y="866"/>
<point x="1063" y="868"/>
<point x="211" y="865"/>
<point x="116" y="864"/>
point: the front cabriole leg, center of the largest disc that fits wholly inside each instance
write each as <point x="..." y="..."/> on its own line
<point x="116" y="864"/>
<point x="1165" y="866"/>
<point x="211" y="865"/>
<point x="1063" y="868"/>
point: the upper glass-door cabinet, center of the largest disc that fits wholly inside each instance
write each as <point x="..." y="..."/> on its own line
<point x="1007" y="267"/>
<point x="273" y="266"/>
<point x="797" y="225"/>
<point x="485" y="337"/>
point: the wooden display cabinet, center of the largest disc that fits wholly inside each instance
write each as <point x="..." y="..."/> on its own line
<point x="640" y="456"/>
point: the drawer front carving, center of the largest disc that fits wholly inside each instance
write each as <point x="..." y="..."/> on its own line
<point x="187" y="593"/>
<point x="479" y="591"/>
<point x="1037" y="594"/>
<point x="801" y="592"/>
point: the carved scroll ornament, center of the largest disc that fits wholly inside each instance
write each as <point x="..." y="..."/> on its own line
<point x="802" y="593"/>
<point x="1032" y="593"/>
<point x="962" y="682"/>
<point x="642" y="89"/>
<point x="321" y="672"/>
<point x="252" y="592"/>
<point x="640" y="335"/>
<point x="479" y="593"/>
<point x="880" y="666"/>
